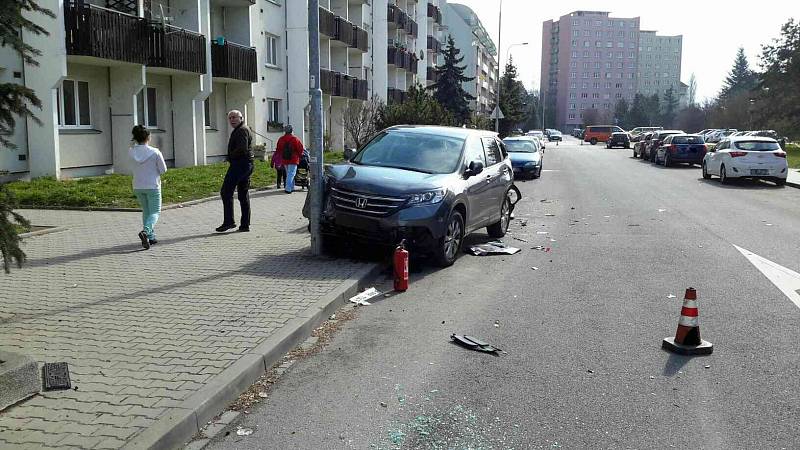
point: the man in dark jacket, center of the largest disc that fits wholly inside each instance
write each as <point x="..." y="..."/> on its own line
<point x="240" y="157"/>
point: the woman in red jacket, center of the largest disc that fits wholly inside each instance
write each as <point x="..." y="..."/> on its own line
<point x="291" y="149"/>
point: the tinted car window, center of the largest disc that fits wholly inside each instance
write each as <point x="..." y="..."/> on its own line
<point x="474" y="151"/>
<point x="687" y="140"/>
<point x="757" y="146"/>
<point x="493" y="154"/>
<point x="420" y="152"/>
<point x="520" y="146"/>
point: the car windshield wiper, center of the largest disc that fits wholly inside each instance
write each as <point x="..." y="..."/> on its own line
<point x="413" y="169"/>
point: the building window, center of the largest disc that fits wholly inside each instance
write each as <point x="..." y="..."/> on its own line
<point x="606" y="96"/>
<point x="73" y="104"/>
<point x="574" y="53"/>
<point x="571" y="95"/>
<point x="598" y="44"/>
<point x="572" y="106"/>
<point x="573" y="85"/>
<point x="584" y="95"/>
<point x="573" y="74"/>
<point x="576" y="33"/>
<point x="573" y="63"/>
<point x="147" y="108"/>
<point x="609" y="44"/>
<point x="272" y="51"/>
<point x="274" y="110"/>
<point x="207" y="112"/>
<point x="595" y="95"/>
<point x="572" y="115"/>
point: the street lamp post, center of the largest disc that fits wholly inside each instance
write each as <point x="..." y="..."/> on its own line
<point x="497" y="94"/>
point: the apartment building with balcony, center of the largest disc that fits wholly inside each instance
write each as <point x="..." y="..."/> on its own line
<point x="436" y="40"/>
<point x="480" y="55"/>
<point x="660" y="65"/>
<point x="177" y="67"/>
<point x="591" y="60"/>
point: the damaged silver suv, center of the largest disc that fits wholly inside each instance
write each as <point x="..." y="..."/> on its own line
<point x="428" y="185"/>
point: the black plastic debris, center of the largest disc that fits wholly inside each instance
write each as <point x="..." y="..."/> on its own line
<point x="492" y="248"/>
<point x="475" y="344"/>
<point x="56" y="376"/>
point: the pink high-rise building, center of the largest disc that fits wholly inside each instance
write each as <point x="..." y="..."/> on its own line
<point x="589" y="62"/>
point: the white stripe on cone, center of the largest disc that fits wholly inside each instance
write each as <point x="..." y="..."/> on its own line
<point x="689" y="321"/>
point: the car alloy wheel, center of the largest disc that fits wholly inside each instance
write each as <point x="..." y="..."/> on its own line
<point x="667" y="162"/>
<point x="451" y="242"/>
<point x="499" y="228"/>
<point x="706" y="175"/>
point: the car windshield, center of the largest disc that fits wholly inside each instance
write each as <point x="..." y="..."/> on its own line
<point x="520" y="146"/>
<point x="687" y="140"/>
<point x="420" y="152"/>
<point x="554" y="132"/>
<point x="757" y="146"/>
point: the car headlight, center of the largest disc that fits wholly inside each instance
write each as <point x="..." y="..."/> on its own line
<point x="427" y="198"/>
<point x="531" y="164"/>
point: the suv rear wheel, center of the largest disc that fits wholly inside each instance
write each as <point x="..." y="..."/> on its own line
<point x="499" y="229"/>
<point x="593" y="141"/>
<point x="449" y="245"/>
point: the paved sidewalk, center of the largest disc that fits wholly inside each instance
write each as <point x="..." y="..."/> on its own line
<point x="793" y="178"/>
<point x="142" y="330"/>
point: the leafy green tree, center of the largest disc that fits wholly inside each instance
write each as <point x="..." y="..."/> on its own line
<point x="621" y="114"/>
<point x="670" y="108"/>
<point x="16" y="102"/>
<point x="449" y="90"/>
<point x="779" y="93"/>
<point x="512" y="99"/>
<point x="532" y="111"/>
<point x="419" y="108"/>
<point x="740" y="79"/>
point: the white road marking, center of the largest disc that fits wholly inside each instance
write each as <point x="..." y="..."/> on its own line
<point x="788" y="281"/>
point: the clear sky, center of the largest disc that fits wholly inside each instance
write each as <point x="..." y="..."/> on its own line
<point x="712" y="30"/>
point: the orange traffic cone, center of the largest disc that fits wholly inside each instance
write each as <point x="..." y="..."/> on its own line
<point x="687" y="338"/>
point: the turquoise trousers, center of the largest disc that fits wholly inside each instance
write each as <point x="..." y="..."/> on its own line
<point x="150" y="200"/>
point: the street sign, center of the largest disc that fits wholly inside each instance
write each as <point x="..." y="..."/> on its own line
<point x="497" y="114"/>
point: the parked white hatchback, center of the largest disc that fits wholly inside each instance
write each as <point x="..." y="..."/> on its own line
<point x="747" y="157"/>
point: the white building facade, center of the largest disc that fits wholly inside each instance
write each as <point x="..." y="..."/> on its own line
<point x="177" y="67"/>
<point x="479" y="52"/>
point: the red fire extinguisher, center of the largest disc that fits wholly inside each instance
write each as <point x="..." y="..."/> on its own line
<point x="401" y="267"/>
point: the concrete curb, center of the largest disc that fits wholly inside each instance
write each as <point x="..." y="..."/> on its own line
<point x="260" y="191"/>
<point x="179" y="424"/>
<point x="41" y="232"/>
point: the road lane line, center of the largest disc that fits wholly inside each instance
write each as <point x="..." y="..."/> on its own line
<point x="788" y="281"/>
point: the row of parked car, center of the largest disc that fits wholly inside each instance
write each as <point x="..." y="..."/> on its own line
<point x="747" y="155"/>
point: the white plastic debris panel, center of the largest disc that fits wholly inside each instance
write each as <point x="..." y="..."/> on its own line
<point x="492" y="248"/>
<point x="361" y="299"/>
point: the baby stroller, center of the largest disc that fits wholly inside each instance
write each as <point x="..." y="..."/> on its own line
<point x="301" y="178"/>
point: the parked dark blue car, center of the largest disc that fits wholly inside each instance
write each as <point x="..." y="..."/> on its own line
<point x="526" y="158"/>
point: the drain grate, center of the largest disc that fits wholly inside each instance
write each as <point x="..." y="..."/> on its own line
<point x="56" y="376"/>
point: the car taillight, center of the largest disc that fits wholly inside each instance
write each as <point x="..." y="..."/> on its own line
<point x="780" y="154"/>
<point x="673" y="148"/>
<point x="705" y="148"/>
<point x="737" y="154"/>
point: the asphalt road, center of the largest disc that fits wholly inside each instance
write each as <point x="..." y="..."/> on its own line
<point x="584" y="367"/>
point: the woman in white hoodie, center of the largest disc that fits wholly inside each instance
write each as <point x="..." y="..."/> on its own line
<point x="148" y="167"/>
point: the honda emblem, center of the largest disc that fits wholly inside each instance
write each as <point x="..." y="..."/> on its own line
<point x="361" y="202"/>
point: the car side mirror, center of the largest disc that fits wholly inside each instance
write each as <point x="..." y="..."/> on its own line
<point x="349" y="153"/>
<point x="474" y="168"/>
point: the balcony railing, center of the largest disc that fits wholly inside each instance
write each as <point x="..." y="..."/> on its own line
<point x="344" y="31"/>
<point x="361" y="39"/>
<point x="360" y="89"/>
<point x="176" y="48"/>
<point x="434" y="45"/>
<point x="104" y="33"/>
<point x="403" y="21"/>
<point x="337" y="84"/>
<point x="327" y="23"/>
<point x="235" y="61"/>
<point x="402" y="59"/>
<point x="432" y="75"/>
<point x="435" y="13"/>
<point x="396" y="96"/>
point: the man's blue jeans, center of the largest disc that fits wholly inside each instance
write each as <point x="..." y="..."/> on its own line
<point x="150" y="200"/>
<point x="237" y="178"/>
<point x="291" y="171"/>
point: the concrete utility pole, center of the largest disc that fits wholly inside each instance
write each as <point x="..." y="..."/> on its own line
<point x="497" y="94"/>
<point x="316" y="157"/>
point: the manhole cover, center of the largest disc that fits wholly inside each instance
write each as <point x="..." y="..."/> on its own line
<point x="56" y="376"/>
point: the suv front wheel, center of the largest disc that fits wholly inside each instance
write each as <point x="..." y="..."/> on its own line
<point x="499" y="229"/>
<point x="449" y="245"/>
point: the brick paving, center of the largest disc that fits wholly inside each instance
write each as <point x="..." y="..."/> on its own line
<point x="144" y="330"/>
